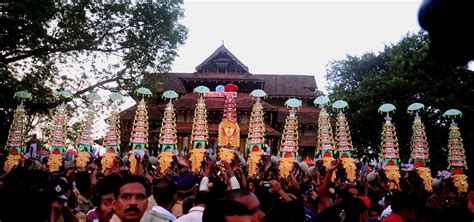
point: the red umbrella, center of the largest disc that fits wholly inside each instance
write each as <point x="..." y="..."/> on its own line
<point x="72" y="152"/>
<point x="231" y="88"/>
<point x="309" y="161"/>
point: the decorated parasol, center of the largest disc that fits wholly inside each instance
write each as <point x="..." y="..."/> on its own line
<point x="200" y="133"/>
<point x="456" y="153"/>
<point x="389" y="146"/>
<point x="168" y="137"/>
<point x="84" y="141"/>
<point x="16" y="134"/>
<point x="111" y="141"/>
<point x="229" y="130"/>
<point x="344" y="140"/>
<point x="139" y="136"/>
<point x="256" y="134"/>
<point x="325" y="144"/>
<point x="289" y="145"/>
<point x="57" y="137"/>
<point x="419" y="146"/>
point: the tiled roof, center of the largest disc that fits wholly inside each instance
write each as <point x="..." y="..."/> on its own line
<point x="155" y="112"/>
<point x="289" y="85"/>
<point x="274" y="85"/>
<point x="306" y="115"/>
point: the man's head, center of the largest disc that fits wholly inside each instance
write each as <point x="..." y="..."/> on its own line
<point x="201" y="198"/>
<point x="164" y="192"/>
<point x="131" y="198"/>
<point x="104" y="198"/>
<point x="249" y="200"/>
<point x="225" y="210"/>
<point x="404" y="205"/>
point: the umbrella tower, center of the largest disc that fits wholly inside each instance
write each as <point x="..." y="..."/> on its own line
<point x="325" y="143"/>
<point x="229" y="130"/>
<point x="111" y="141"/>
<point x="168" y="138"/>
<point x="456" y="153"/>
<point x="344" y="141"/>
<point x="419" y="146"/>
<point x="16" y="134"/>
<point x="200" y="133"/>
<point x="389" y="145"/>
<point x="256" y="135"/>
<point x="57" y="136"/>
<point x="289" y="140"/>
<point x="139" y="137"/>
<point x="84" y="141"/>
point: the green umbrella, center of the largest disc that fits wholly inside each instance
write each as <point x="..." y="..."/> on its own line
<point x="65" y="94"/>
<point x="258" y="93"/>
<point x="340" y="104"/>
<point x="201" y="89"/>
<point x="143" y="91"/>
<point x="321" y="100"/>
<point x="22" y="95"/>
<point x="452" y="113"/>
<point x="415" y="106"/>
<point x="115" y="96"/>
<point x="93" y="96"/>
<point x="170" y="94"/>
<point x="387" y="107"/>
<point x="294" y="103"/>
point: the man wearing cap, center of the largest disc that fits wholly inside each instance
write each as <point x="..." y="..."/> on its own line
<point x="164" y="192"/>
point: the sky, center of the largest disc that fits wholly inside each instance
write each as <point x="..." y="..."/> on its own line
<point x="292" y="37"/>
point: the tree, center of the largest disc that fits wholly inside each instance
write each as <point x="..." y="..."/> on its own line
<point x="82" y="45"/>
<point x="402" y="74"/>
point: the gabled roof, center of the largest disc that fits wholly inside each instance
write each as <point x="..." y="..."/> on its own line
<point x="222" y="49"/>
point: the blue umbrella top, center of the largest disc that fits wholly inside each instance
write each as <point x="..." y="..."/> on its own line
<point x="386" y="108"/>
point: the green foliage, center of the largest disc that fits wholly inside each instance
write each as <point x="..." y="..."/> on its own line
<point x="82" y="45"/>
<point x="402" y="74"/>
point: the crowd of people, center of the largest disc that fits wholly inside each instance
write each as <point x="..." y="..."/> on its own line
<point x="222" y="191"/>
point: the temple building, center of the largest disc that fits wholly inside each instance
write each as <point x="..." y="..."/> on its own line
<point x="221" y="68"/>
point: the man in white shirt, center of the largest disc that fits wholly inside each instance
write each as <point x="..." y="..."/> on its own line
<point x="195" y="213"/>
<point x="165" y="194"/>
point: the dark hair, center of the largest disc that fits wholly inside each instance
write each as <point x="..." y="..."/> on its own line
<point x="132" y="179"/>
<point x="234" y="194"/>
<point x="164" y="191"/>
<point x="401" y="201"/>
<point x="83" y="183"/>
<point x="188" y="203"/>
<point x="202" y="197"/>
<point x="219" y="209"/>
<point x="105" y="186"/>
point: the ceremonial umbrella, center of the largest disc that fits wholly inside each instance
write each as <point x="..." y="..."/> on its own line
<point x="22" y="95"/>
<point x="321" y="100"/>
<point x="144" y="91"/>
<point x="258" y="93"/>
<point x="170" y="94"/>
<point x="452" y="113"/>
<point x="387" y="107"/>
<point x="231" y="87"/>
<point x="340" y="104"/>
<point x="201" y="89"/>
<point x="415" y="106"/>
